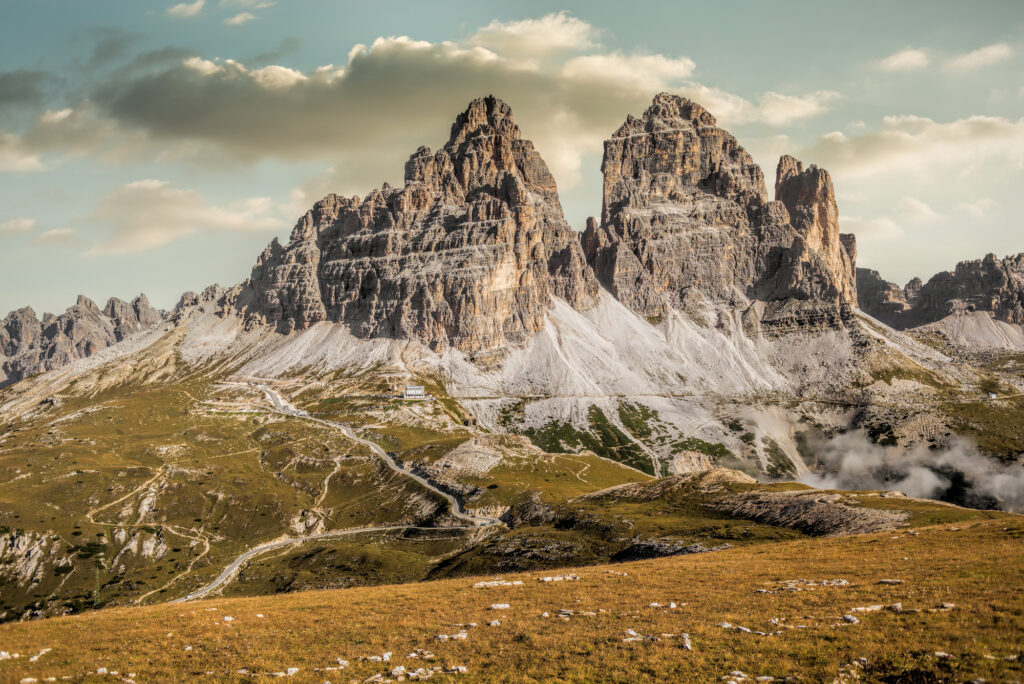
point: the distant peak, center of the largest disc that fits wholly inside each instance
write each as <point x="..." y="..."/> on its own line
<point x="86" y="303"/>
<point x="667" y="105"/>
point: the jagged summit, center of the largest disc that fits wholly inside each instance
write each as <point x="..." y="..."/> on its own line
<point x="467" y="254"/>
<point x="484" y="116"/>
<point x="687" y="224"/>
<point x="674" y="148"/>
<point x="30" y="345"/>
<point x="990" y="285"/>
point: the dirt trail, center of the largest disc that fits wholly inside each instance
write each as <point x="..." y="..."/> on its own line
<point x="282" y="406"/>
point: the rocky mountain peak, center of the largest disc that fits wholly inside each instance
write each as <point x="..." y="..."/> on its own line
<point x="29" y="345"/>
<point x="484" y="116"/>
<point x="686" y="223"/>
<point x="675" y="149"/>
<point x="810" y="199"/>
<point x="989" y="284"/>
<point x="467" y="254"/>
<point x="86" y="303"/>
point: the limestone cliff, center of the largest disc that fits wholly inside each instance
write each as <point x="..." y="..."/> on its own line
<point x="990" y="285"/>
<point x="686" y="223"/>
<point x="467" y="253"/>
<point x="30" y="345"/>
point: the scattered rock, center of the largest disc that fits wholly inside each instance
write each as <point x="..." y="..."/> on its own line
<point x="497" y="583"/>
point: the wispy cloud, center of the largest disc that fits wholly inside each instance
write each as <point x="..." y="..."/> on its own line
<point x="150" y="213"/>
<point x="922" y="145"/>
<point x="991" y="54"/>
<point x="907" y="59"/>
<point x="186" y="9"/>
<point x="978" y="208"/>
<point x="18" y="225"/>
<point x="57" y="236"/>
<point x="913" y="209"/>
<point x="240" y="18"/>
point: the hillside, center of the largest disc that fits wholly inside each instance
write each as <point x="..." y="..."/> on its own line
<point x="956" y="617"/>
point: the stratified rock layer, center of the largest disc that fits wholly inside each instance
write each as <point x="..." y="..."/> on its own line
<point x="687" y="224"/>
<point x="468" y="253"/>
<point x="29" y="345"/>
<point x="991" y="285"/>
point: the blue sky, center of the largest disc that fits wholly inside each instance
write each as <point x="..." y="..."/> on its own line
<point x="158" y="146"/>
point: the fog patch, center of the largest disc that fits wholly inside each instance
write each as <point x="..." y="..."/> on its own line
<point x="957" y="474"/>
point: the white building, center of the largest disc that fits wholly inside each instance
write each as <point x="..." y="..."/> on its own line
<point x="415" y="392"/>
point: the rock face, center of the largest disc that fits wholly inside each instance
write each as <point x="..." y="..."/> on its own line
<point x="888" y="302"/>
<point x="467" y="254"/>
<point x="991" y="284"/>
<point x="29" y="345"/>
<point x="686" y="223"/>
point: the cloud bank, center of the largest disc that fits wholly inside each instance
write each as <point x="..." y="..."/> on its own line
<point x="958" y="474"/>
<point x="567" y="91"/>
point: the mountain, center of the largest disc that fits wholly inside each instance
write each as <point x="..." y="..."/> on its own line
<point x="687" y="224"/>
<point x="29" y="345"/>
<point x="980" y="304"/>
<point x="467" y="254"/>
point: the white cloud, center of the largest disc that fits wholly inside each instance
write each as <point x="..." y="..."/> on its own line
<point x="203" y="67"/>
<point x="912" y="209"/>
<point x="18" y="225"/>
<point x="150" y="213"/>
<point x="979" y="207"/>
<point x="991" y="54"/>
<point x="552" y="33"/>
<point x="908" y="59"/>
<point x="185" y="9"/>
<point x="56" y="236"/>
<point x="643" y="72"/>
<point x="776" y="109"/>
<point x="921" y="145"/>
<point x="240" y="18"/>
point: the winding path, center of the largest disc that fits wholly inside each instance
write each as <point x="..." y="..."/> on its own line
<point x="229" y="572"/>
<point x="281" y="405"/>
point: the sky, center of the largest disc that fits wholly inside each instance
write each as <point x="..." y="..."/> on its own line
<point x="156" y="146"/>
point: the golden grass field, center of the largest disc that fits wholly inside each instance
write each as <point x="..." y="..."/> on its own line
<point x="976" y="565"/>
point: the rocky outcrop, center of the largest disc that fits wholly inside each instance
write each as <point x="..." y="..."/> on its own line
<point x="686" y="223"/>
<point x="30" y="345"/>
<point x="467" y="254"/>
<point x="888" y="302"/>
<point x="991" y="285"/>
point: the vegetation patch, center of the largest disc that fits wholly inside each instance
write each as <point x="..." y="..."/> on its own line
<point x="636" y="418"/>
<point x="779" y="464"/>
<point x="605" y="440"/>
